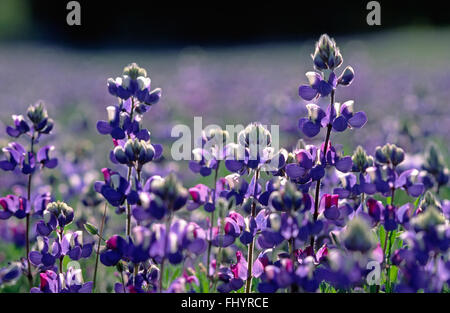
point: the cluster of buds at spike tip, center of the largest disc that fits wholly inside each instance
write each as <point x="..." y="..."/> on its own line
<point x="62" y="212"/>
<point x="428" y="220"/>
<point x="361" y="160"/>
<point x="287" y="199"/>
<point x="358" y="236"/>
<point x="389" y="154"/>
<point x="135" y="152"/>
<point x="37" y="114"/>
<point x="215" y="136"/>
<point x="327" y="58"/>
<point x="255" y="135"/>
<point x="134" y="83"/>
<point x="170" y="190"/>
<point x="435" y="165"/>
<point x="326" y="54"/>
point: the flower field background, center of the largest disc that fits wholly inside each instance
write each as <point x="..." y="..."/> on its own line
<point x="401" y="83"/>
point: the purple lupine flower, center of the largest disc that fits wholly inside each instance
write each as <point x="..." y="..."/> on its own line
<point x="116" y="249"/>
<point x="179" y="284"/>
<point x="339" y="116"/>
<point x="280" y="275"/>
<point x="114" y="189"/>
<point x="20" y="127"/>
<point x="46" y="255"/>
<point x="342" y="270"/>
<point x="349" y="188"/>
<point x="252" y="150"/>
<point x="134" y="82"/>
<point x="17" y="156"/>
<point x="304" y="169"/>
<point x="10" y="274"/>
<point x="200" y="195"/>
<point x="318" y="85"/>
<point x="145" y="281"/>
<point x="232" y="226"/>
<point x="329" y="206"/>
<point x="14" y="206"/>
<point x="113" y="125"/>
<point x="158" y="197"/>
<point x="182" y="236"/>
<point x="63" y="213"/>
<point x="327" y="58"/>
<point x="233" y="277"/>
<point x="72" y="245"/>
<point x="211" y="151"/>
<point x="406" y="180"/>
<point x="43" y="157"/>
<point x="70" y="282"/>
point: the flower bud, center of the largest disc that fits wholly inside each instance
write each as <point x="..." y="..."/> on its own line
<point x="429" y="219"/>
<point x="134" y="71"/>
<point x="327" y="54"/>
<point x="347" y="76"/>
<point x="91" y="229"/>
<point x="120" y="155"/>
<point x="37" y="114"/>
<point x="255" y="134"/>
<point x="360" y="159"/>
<point x="61" y="211"/>
<point x="358" y="236"/>
<point x="397" y="155"/>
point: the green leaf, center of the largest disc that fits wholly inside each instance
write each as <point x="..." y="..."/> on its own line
<point x="91" y="229"/>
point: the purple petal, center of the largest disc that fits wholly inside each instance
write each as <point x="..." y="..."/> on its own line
<point x="416" y="190"/>
<point x="306" y="92"/>
<point x="294" y="171"/>
<point x="358" y="120"/>
<point x="104" y="128"/>
<point x="345" y="164"/>
<point x="340" y="124"/>
<point x="310" y="129"/>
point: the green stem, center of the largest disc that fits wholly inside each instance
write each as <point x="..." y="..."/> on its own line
<point x="128" y="228"/>
<point x="388" y="253"/>
<point x="61" y="258"/>
<point x="212" y="221"/>
<point x="248" y="283"/>
<point x="166" y="239"/>
<point x="317" y="193"/>
<point x="27" y="221"/>
<point x="98" y="246"/>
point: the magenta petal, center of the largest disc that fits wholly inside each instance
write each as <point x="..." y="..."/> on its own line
<point x="358" y="120"/>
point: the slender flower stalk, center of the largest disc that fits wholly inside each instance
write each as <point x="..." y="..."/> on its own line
<point x="248" y="283"/>
<point x="317" y="192"/>
<point x="166" y="239"/>
<point x="212" y="219"/>
<point x="98" y="246"/>
<point x="128" y="225"/>
<point x="27" y="219"/>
